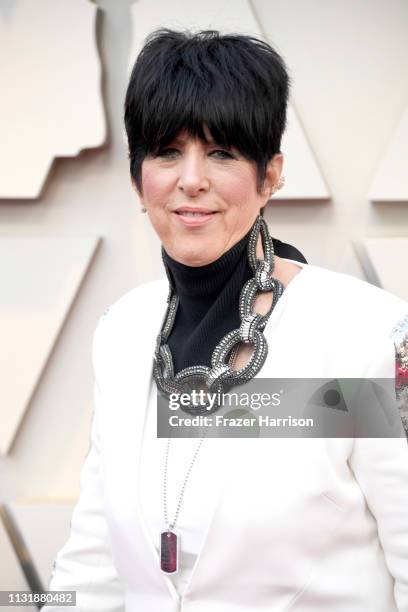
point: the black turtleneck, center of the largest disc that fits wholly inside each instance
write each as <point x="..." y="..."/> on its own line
<point x="208" y="301"/>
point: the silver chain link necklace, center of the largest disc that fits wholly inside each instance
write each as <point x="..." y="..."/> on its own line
<point x="221" y="375"/>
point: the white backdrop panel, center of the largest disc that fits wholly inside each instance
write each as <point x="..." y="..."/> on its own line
<point x="41" y="276"/>
<point x="50" y="103"/>
<point x="44" y="526"/>
<point x="391" y="181"/>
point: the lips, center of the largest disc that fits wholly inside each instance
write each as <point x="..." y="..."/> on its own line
<point x="194" y="216"/>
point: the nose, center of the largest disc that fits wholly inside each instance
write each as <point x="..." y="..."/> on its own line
<point x="193" y="178"/>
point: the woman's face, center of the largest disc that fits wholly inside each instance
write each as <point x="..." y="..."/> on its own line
<point x="201" y="198"/>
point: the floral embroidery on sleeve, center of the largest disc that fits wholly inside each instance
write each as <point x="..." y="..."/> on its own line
<point x="400" y="337"/>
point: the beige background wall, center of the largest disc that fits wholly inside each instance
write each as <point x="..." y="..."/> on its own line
<point x="348" y="63"/>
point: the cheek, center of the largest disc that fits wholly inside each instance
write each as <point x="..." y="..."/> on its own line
<point x="241" y="188"/>
<point x="156" y="186"/>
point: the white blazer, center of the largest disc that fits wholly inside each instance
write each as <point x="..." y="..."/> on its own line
<point x="302" y="525"/>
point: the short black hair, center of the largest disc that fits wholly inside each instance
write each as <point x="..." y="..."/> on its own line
<point x="236" y="85"/>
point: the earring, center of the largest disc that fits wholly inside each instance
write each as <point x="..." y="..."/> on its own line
<point x="280" y="184"/>
<point x="143" y="209"/>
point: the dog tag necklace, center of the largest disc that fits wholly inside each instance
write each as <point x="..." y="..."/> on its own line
<point x="169" y="540"/>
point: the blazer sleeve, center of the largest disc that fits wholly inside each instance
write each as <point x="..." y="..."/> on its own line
<point x="85" y="563"/>
<point x="380" y="466"/>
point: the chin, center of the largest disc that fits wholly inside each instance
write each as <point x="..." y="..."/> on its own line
<point x="199" y="253"/>
<point x="195" y="260"/>
<point x="194" y="257"/>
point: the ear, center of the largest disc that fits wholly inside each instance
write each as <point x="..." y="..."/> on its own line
<point x="273" y="173"/>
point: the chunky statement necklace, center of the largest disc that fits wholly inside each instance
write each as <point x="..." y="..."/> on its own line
<point x="221" y="375"/>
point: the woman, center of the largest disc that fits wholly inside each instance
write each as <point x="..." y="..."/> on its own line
<point x="231" y="524"/>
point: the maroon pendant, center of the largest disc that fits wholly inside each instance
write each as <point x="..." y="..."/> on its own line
<point x="168" y="552"/>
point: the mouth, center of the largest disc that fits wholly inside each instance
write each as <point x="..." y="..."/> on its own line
<point x="194" y="216"/>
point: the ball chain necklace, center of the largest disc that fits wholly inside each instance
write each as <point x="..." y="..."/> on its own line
<point x="221" y="375"/>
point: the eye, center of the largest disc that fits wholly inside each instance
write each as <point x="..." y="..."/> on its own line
<point x="168" y="153"/>
<point x="222" y="154"/>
